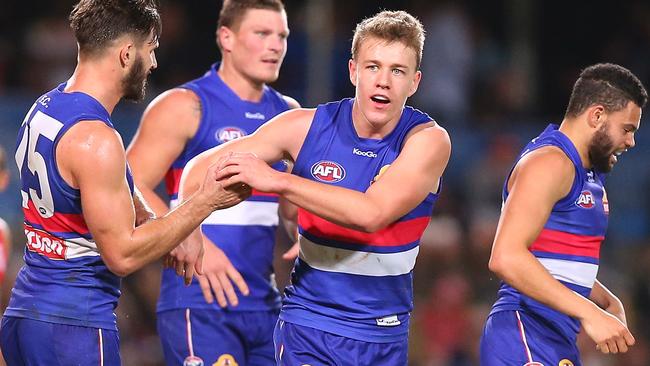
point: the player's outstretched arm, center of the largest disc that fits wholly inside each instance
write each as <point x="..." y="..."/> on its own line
<point x="415" y="173"/>
<point x="167" y="124"/>
<point x="91" y="156"/>
<point x="532" y="194"/>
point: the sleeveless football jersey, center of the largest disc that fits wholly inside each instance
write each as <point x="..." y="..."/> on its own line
<point x="64" y="279"/>
<point x="346" y="282"/>
<point x="245" y="232"/>
<point x="569" y="244"/>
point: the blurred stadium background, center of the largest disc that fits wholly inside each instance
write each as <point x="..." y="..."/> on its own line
<point x="495" y="73"/>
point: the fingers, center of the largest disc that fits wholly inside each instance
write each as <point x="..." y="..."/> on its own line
<point x="217" y="290"/>
<point x="629" y="338"/>
<point x="238" y="280"/>
<point x="206" y="289"/>
<point x="188" y="274"/>
<point x="226" y="285"/>
<point x="198" y="266"/>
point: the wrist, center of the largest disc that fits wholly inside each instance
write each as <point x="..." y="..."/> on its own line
<point x="283" y="183"/>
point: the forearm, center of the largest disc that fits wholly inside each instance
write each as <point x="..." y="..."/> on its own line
<point x="345" y="207"/>
<point x="143" y="212"/>
<point x="525" y="273"/>
<point x="602" y="296"/>
<point x="157" y="204"/>
<point x="157" y="237"/>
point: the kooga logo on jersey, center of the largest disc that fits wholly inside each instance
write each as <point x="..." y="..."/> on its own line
<point x="328" y="171"/>
<point x="368" y="154"/>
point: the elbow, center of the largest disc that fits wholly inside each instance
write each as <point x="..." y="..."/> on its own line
<point x="498" y="265"/>
<point x="370" y="222"/>
<point x="120" y="267"/>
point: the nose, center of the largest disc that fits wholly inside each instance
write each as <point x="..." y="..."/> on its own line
<point x="154" y="62"/>
<point x="383" y="79"/>
<point x="277" y="44"/>
<point x="630" y="142"/>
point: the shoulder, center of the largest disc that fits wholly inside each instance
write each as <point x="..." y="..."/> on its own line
<point x="547" y="169"/>
<point x="91" y="139"/>
<point x="292" y="103"/>
<point x="431" y="137"/>
<point x="175" y="99"/>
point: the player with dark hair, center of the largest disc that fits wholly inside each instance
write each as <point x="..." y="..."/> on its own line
<point x="554" y="219"/>
<point x="230" y="101"/>
<point x="85" y="223"/>
<point x="366" y="175"/>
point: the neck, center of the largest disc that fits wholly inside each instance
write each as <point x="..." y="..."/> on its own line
<point x="369" y="129"/>
<point x="573" y="129"/>
<point x="97" y="79"/>
<point x="245" y="88"/>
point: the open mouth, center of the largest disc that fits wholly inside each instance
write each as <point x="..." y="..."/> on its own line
<point x="381" y="99"/>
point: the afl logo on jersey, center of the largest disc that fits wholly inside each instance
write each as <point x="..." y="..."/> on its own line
<point x="586" y="200"/>
<point x="533" y="364"/>
<point x="328" y="171"/>
<point x="229" y="133"/>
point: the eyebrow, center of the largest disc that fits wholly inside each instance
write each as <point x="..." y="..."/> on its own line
<point x="391" y="65"/>
<point x="631" y="127"/>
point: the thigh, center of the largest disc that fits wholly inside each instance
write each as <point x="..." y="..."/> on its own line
<point x="298" y="345"/>
<point x="193" y="337"/>
<point x="32" y="342"/>
<point x="260" y="326"/>
<point x="518" y="338"/>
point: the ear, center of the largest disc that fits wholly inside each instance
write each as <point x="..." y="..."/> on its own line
<point x="596" y="115"/>
<point x="352" y="67"/>
<point x="226" y="38"/>
<point x="416" y="82"/>
<point x="127" y="54"/>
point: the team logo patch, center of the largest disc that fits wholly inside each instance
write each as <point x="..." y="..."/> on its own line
<point x="328" y="171"/>
<point x="229" y="133"/>
<point x="605" y="202"/>
<point x="193" y="361"/>
<point x="565" y="362"/>
<point x="225" y="360"/>
<point x="586" y="200"/>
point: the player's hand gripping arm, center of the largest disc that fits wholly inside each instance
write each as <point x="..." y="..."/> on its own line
<point x="91" y="157"/>
<point x="533" y="193"/>
<point x="414" y="174"/>
<point x="168" y="123"/>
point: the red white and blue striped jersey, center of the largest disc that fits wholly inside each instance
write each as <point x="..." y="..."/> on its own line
<point x="245" y="232"/>
<point x="64" y="279"/>
<point x="569" y="244"/>
<point x="347" y="282"/>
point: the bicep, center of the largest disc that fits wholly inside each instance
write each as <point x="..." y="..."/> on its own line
<point x="100" y="171"/>
<point x="414" y="174"/>
<point x="530" y="201"/>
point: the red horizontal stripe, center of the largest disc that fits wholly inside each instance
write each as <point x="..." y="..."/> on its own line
<point x="398" y="233"/>
<point x="173" y="180"/>
<point x="259" y="193"/>
<point x="553" y="241"/>
<point x="59" y="223"/>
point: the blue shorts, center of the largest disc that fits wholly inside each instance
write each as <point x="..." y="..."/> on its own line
<point x="520" y="338"/>
<point x="196" y="337"/>
<point x="33" y="342"/>
<point x="298" y="345"/>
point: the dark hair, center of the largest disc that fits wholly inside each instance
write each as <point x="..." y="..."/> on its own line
<point x="233" y="11"/>
<point x="391" y="26"/>
<point x="97" y="23"/>
<point x="610" y="85"/>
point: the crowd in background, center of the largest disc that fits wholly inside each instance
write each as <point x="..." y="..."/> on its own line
<point x="494" y="74"/>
